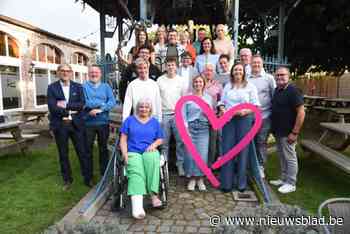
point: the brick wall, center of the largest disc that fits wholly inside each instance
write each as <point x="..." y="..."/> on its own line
<point x="27" y="40"/>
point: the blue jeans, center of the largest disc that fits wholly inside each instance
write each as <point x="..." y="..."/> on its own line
<point x="261" y="140"/>
<point x="199" y="133"/>
<point x="234" y="173"/>
<point x="169" y="127"/>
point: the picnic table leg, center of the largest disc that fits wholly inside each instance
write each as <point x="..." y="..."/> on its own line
<point x="342" y="120"/>
<point x="324" y="134"/>
<point x="17" y="135"/>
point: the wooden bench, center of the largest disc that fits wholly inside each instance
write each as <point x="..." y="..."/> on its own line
<point x="331" y="154"/>
<point x="37" y="115"/>
<point x="8" y="136"/>
<point x="339" y="160"/>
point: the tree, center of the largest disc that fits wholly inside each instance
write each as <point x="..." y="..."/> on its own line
<point x="317" y="32"/>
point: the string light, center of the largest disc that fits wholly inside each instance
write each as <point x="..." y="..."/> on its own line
<point x="88" y="35"/>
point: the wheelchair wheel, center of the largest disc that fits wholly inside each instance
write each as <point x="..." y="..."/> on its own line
<point x="164" y="184"/>
<point x="120" y="196"/>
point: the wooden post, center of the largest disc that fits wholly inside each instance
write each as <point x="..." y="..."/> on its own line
<point x="281" y="30"/>
<point x="235" y="26"/>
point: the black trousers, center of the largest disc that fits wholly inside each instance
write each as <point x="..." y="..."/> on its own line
<point x="102" y="133"/>
<point x="78" y="137"/>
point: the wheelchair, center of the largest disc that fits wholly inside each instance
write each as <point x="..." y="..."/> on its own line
<point x="120" y="199"/>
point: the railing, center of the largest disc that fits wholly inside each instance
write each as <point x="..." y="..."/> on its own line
<point x="110" y="71"/>
<point x="272" y="63"/>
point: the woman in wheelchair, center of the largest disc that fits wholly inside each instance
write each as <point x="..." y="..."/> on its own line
<point x="141" y="134"/>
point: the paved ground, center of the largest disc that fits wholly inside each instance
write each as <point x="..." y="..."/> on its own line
<point x="187" y="212"/>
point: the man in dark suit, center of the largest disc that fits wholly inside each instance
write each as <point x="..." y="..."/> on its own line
<point x="66" y="104"/>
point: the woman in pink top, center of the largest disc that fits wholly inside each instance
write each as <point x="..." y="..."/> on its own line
<point x="222" y="44"/>
<point x="214" y="89"/>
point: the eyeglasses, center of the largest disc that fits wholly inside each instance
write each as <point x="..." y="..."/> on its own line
<point x="66" y="71"/>
<point x="282" y="74"/>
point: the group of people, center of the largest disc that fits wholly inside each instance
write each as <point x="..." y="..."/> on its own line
<point x="210" y="75"/>
<point x="205" y="68"/>
<point x="80" y="113"/>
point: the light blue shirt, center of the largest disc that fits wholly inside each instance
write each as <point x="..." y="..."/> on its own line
<point x="233" y="96"/>
<point x="265" y="84"/>
<point x="203" y="59"/>
<point x="191" y="111"/>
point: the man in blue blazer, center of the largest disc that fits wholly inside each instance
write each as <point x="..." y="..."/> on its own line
<point x="66" y="103"/>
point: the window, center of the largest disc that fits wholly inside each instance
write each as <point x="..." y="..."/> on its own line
<point x="53" y="77"/>
<point x="41" y="53"/>
<point x="77" y="77"/>
<point x="11" y="94"/>
<point x="2" y="44"/>
<point x="41" y="83"/>
<point x="50" y="55"/>
<point x="42" y="79"/>
<point x="46" y="54"/>
<point x="79" y="58"/>
<point x="8" y="46"/>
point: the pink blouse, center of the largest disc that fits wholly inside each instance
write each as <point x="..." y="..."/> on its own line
<point x="214" y="89"/>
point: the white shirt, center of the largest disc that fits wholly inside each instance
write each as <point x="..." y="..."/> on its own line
<point x="171" y="90"/>
<point x="233" y="96"/>
<point x="65" y="89"/>
<point x="138" y="89"/>
<point x="188" y="73"/>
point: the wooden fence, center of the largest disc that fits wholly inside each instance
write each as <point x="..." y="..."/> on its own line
<point x="326" y="86"/>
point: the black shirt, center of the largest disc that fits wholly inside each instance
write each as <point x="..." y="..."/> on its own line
<point x="130" y="74"/>
<point x="284" y="113"/>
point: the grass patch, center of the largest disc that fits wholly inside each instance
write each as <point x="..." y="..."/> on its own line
<point x="31" y="195"/>
<point x="318" y="180"/>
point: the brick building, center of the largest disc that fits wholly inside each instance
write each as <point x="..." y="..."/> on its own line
<point x="29" y="57"/>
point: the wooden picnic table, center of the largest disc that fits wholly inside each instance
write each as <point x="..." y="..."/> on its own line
<point x="342" y="128"/>
<point x="331" y="153"/>
<point x="14" y="129"/>
<point x="336" y="102"/>
<point x="339" y="113"/>
<point x="337" y="127"/>
<point x="313" y="100"/>
<point x="33" y="115"/>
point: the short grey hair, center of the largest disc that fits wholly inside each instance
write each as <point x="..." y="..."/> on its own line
<point x="206" y="66"/>
<point x="144" y="101"/>
<point x="64" y="65"/>
<point x="246" y="50"/>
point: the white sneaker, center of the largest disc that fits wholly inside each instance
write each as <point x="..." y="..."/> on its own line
<point x="276" y="182"/>
<point x="262" y="173"/>
<point x="286" y="188"/>
<point x="201" y="185"/>
<point x="191" y="185"/>
<point x="180" y="170"/>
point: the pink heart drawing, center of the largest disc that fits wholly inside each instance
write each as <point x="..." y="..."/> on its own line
<point x="216" y="123"/>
